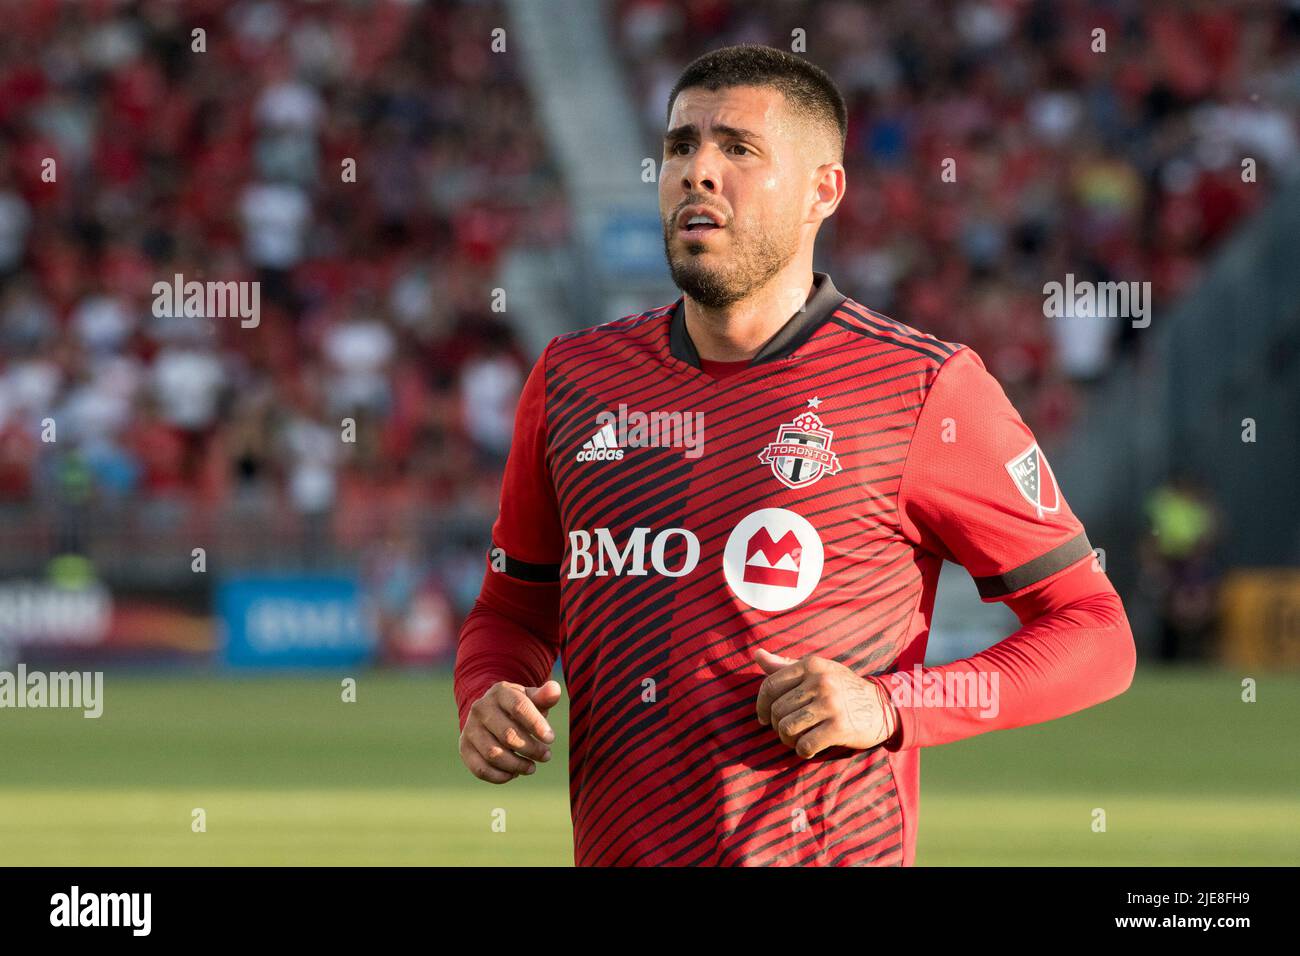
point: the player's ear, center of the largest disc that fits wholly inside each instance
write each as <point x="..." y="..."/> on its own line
<point x="828" y="187"/>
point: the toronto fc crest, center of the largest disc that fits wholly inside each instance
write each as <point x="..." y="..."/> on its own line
<point x="802" y="452"/>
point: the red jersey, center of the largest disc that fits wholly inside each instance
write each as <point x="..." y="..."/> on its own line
<point x="661" y="518"/>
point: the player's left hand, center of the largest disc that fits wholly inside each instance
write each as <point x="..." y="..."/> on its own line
<point x="817" y="703"/>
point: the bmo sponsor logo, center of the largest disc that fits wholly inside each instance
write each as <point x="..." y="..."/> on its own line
<point x="773" y="559"/>
<point x="601" y="556"/>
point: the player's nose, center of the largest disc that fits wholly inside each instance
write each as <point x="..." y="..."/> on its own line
<point x="701" y="173"/>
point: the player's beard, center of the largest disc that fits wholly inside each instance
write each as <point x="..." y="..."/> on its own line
<point x="751" y="265"/>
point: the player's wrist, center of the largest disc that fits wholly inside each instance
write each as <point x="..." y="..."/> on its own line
<point x="893" y="722"/>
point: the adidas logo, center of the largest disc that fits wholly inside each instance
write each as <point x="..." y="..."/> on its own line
<point x="602" y="446"/>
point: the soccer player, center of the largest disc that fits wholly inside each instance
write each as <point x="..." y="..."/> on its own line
<point x="726" y="516"/>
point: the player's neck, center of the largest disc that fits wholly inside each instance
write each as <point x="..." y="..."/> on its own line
<point x="739" y="331"/>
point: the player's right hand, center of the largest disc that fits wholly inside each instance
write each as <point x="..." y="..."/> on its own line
<point x="505" y="728"/>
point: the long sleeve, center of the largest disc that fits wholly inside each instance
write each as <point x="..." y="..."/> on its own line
<point x="510" y="634"/>
<point x="512" y="631"/>
<point x="976" y="489"/>
<point x="1073" y="650"/>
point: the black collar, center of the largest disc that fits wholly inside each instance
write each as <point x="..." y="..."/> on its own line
<point x="824" y="300"/>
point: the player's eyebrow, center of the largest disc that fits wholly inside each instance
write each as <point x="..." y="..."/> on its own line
<point x="692" y="132"/>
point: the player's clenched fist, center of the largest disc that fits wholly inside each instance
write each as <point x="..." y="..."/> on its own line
<point x="817" y="703"/>
<point x="505" y="728"/>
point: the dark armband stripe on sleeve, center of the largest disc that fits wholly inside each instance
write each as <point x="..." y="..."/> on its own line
<point x="501" y="562"/>
<point x="1031" y="572"/>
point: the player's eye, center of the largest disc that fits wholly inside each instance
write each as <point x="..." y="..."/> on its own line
<point x="741" y="146"/>
<point x="674" y="149"/>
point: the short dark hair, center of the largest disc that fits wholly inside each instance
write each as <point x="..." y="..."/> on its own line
<point x="807" y="87"/>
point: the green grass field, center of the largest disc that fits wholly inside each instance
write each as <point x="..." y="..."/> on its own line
<point x="289" y="774"/>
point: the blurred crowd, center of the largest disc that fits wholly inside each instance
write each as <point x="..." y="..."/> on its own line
<point x="1122" y="165"/>
<point x="368" y="163"/>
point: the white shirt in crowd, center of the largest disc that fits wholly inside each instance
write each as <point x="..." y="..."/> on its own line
<point x="489" y="393"/>
<point x="275" y="224"/>
<point x="188" y="385"/>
